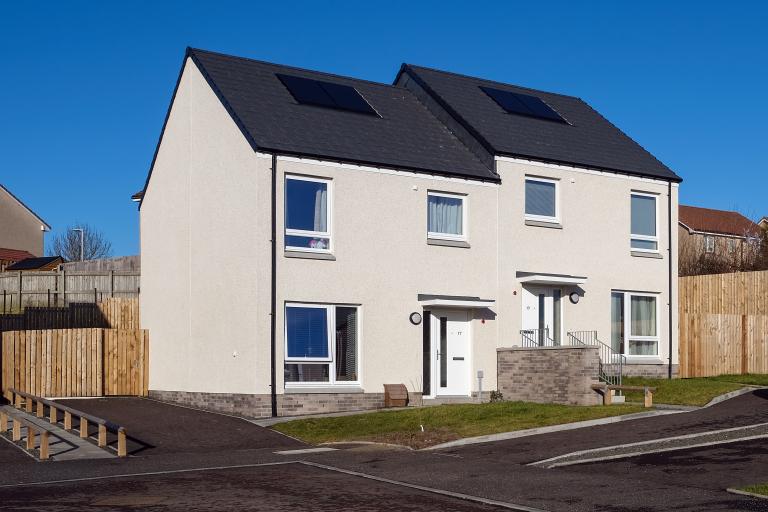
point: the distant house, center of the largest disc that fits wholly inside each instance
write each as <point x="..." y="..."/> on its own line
<point x="725" y="236"/>
<point x="11" y="256"/>
<point x="22" y="229"/>
<point x="763" y="223"/>
<point x="41" y="264"/>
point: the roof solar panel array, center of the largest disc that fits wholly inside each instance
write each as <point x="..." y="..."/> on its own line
<point x="326" y="94"/>
<point x="523" y="104"/>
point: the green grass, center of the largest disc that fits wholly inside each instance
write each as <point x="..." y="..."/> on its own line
<point x="756" y="489"/>
<point x="698" y="391"/>
<point x="443" y="423"/>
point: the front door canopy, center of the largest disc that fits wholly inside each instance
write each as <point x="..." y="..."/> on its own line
<point x="455" y="301"/>
<point x="549" y="279"/>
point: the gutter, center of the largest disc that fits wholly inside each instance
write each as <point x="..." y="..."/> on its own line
<point x="669" y="249"/>
<point x="273" y="304"/>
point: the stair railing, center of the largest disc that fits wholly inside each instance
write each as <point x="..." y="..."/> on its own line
<point x="536" y="338"/>
<point x="611" y="365"/>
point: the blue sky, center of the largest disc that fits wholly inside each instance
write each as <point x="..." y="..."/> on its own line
<point x="84" y="86"/>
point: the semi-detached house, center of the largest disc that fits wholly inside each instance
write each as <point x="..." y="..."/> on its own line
<point x="307" y="238"/>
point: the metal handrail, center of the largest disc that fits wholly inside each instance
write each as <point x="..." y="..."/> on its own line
<point x="535" y="338"/>
<point x="611" y="365"/>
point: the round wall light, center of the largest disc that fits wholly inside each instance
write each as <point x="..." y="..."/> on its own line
<point x="415" y="318"/>
<point x="574" y="296"/>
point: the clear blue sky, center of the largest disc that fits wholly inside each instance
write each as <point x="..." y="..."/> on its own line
<point x="84" y="86"/>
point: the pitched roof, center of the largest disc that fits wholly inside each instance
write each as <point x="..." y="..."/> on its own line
<point x="405" y="135"/>
<point x="14" y="255"/>
<point x="45" y="224"/>
<point x="588" y="139"/>
<point x="35" y="263"/>
<point x="716" y="221"/>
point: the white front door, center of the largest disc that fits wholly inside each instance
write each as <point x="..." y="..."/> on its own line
<point x="542" y="313"/>
<point x="450" y="352"/>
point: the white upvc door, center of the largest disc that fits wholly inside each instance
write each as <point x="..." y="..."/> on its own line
<point x="541" y="311"/>
<point x="451" y="349"/>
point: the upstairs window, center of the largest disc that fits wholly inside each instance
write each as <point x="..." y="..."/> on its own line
<point x="709" y="244"/>
<point x="446" y="216"/>
<point x="307" y="214"/>
<point x="541" y="201"/>
<point x="644" y="233"/>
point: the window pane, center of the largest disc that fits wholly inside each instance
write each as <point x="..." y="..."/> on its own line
<point x="644" y="244"/>
<point x="306" y="373"/>
<point x="306" y="205"/>
<point x="643" y="311"/>
<point x="540" y="198"/>
<point x="307" y="332"/>
<point x="346" y="344"/>
<point x="643" y="215"/>
<point x="617" y="322"/>
<point x="308" y="242"/>
<point x="445" y="215"/>
<point x="643" y="347"/>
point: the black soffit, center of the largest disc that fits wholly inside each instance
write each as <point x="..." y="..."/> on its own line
<point x="326" y="94"/>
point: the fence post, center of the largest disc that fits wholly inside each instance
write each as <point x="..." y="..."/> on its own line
<point x="64" y="287"/>
<point x="20" y="287"/>
<point x="111" y="283"/>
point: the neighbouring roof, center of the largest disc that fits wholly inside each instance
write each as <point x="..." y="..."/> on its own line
<point x="45" y="224"/>
<point x="716" y="221"/>
<point x="35" y="263"/>
<point x="403" y="135"/>
<point x="138" y="196"/>
<point x="14" y="255"/>
<point x="587" y="139"/>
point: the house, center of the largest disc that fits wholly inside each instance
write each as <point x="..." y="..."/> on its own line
<point x="41" y="264"/>
<point x="11" y="256"/>
<point x="725" y="240"/>
<point x="763" y="223"/>
<point x="21" y="229"/>
<point x="368" y="234"/>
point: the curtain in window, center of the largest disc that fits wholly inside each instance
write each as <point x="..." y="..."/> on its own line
<point x="643" y="311"/>
<point x="307" y="332"/>
<point x="321" y="209"/>
<point x="346" y="344"/>
<point x="540" y="198"/>
<point x="643" y="215"/>
<point x="445" y="215"/>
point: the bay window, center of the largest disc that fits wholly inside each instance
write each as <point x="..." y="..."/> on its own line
<point x="321" y="344"/>
<point x="635" y="323"/>
<point x="307" y="214"/>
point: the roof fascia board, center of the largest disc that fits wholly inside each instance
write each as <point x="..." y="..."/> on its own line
<point x="46" y="226"/>
<point x="588" y="170"/>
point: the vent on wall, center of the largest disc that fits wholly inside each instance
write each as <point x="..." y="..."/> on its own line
<point x="523" y="104"/>
<point x="326" y="94"/>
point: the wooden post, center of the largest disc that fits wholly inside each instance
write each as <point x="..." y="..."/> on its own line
<point x="30" y="437"/>
<point x="18" y="401"/>
<point x="67" y="420"/>
<point x="53" y="416"/>
<point x="122" y="450"/>
<point x="3" y="422"/>
<point x="608" y="396"/>
<point x="28" y="404"/>
<point x="16" y="430"/>
<point x="83" y="428"/>
<point x="111" y="283"/>
<point x="40" y="409"/>
<point x="20" y="287"/>
<point x="44" y="452"/>
<point x="744" y="349"/>
<point x="64" y="287"/>
<point x="648" y="395"/>
<point x="102" y="436"/>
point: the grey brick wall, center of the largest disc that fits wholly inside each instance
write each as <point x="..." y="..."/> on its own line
<point x="658" y="371"/>
<point x="561" y="375"/>
<point x="293" y="404"/>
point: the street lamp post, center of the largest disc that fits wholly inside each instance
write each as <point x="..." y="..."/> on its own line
<point x="82" y="240"/>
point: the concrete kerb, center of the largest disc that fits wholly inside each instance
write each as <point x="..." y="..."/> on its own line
<point x="747" y="493"/>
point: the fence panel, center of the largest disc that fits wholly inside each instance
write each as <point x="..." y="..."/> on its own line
<point x="723" y="324"/>
<point x="76" y="362"/>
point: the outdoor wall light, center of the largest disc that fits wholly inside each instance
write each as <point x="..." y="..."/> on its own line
<point x="574" y="296"/>
<point x="415" y="318"/>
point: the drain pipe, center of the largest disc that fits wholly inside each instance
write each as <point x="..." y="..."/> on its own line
<point x="273" y="305"/>
<point x="669" y="250"/>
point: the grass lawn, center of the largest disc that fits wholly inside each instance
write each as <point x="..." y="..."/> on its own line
<point x="697" y="391"/>
<point x="443" y="423"/>
<point x="761" y="489"/>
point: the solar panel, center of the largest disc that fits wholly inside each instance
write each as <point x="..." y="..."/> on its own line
<point x="326" y="94"/>
<point x="523" y="104"/>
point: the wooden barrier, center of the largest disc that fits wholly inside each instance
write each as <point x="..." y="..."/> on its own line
<point x="109" y="313"/>
<point x="723" y="324"/>
<point x="76" y="362"/>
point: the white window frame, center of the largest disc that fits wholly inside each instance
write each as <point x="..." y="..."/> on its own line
<point x="644" y="238"/>
<point x="330" y="316"/>
<point x="464" y="236"/>
<point x="628" y="324"/>
<point x="312" y="234"/>
<point x="709" y="244"/>
<point x="543" y="218"/>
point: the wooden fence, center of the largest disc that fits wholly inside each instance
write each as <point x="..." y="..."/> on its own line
<point x="19" y="290"/>
<point x="115" y="313"/>
<point x="723" y="324"/>
<point x="76" y="362"/>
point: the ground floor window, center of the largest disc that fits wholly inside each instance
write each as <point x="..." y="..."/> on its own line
<point x="321" y="344"/>
<point x="635" y="323"/>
